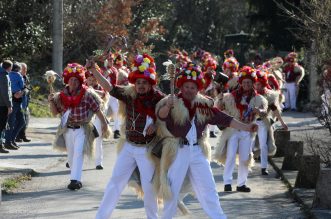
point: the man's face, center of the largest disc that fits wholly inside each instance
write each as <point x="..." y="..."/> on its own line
<point x="189" y="90"/>
<point x="258" y="86"/>
<point x="247" y="84"/>
<point x="23" y="70"/>
<point x="73" y="84"/>
<point x="142" y="86"/>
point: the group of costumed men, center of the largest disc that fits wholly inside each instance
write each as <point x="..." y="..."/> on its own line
<point x="239" y="101"/>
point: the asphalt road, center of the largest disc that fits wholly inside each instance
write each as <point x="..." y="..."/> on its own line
<point x="46" y="195"/>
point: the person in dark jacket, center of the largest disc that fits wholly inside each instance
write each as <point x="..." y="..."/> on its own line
<point x="6" y="105"/>
<point x="16" y="119"/>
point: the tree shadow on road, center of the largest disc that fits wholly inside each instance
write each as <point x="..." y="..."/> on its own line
<point x="36" y="156"/>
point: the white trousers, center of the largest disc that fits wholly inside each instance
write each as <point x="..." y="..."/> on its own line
<point x="128" y="159"/>
<point x="240" y="141"/>
<point x="98" y="142"/>
<point x="291" y="95"/>
<point x="262" y="134"/>
<point x="190" y="160"/>
<point x="74" y="139"/>
<point x="114" y="105"/>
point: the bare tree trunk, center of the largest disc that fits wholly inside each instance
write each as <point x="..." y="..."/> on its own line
<point x="57" y="55"/>
<point x="313" y="92"/>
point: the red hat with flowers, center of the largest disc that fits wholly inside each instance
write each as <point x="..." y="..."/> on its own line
<point x="190" y="72"/>
<point x="209" y="63"/>
<point x="229" y="53"/>
<point x="119" y="58"/>
<point x="262" y="77"/>
<point x="232" y="64"/>
<point x="247" y="72"/>
<point x="143" y="67"/>
<point x="74" y="70"/>
<point x="291" y="57"/>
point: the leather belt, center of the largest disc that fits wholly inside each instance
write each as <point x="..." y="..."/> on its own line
<point x="185" y="142"/>
<point x="134" y="142"/>
<point x="73" y="126"/>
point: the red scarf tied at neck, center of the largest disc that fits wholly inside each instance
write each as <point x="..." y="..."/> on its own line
<point x="70" y="101"/>
<point x="238" y="95"/>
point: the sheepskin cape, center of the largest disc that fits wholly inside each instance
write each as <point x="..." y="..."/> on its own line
<point x="229" y="103"/>
<point x="273" y="98"/>
<point x="180" y="115"/>
<point x="89" y="143"/>
<point x="134" y="181"/>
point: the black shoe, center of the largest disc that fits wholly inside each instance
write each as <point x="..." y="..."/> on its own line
<point x="99" y="167"/>
<point x="74" y="184"/>
<point x="67" y="165"/>
<point x="14" y="143"/>
<point x="264" y="172"/>
<point x="212" y="135"/>
<point x="18" y="140"/>
<point x="227" y="188"/>
<point x="117" y="134"/>
<point x="10" y="146"/>
<point x="293" y="110"/>
<point x="243" y="188"/>
<point x="26" y="139"/>
<point x="3" y="150"/>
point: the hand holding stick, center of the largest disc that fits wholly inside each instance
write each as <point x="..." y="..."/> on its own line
<point x="171" y="72"/>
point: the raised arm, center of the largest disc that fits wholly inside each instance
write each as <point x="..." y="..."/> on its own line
<point x="101" y="80"/>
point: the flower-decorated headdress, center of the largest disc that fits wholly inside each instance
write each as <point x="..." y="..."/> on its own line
<point x="74" y="70"/>
<point x="190" y="72"/>
<point x="198" y="54"/>
<point x="209" y="63"/>
<point x="230" y="63"/>
<point x="262" y="77"/>
<point x="143" y="67"/>
<point x="229" y="53"/>
<point x="247" y="72"/>
<point x="291" y="57"/>
<point x="119" y="59"/>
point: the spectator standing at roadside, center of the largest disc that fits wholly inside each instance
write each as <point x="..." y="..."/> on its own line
<point x="5" y="99"/>
<point x="25" y="104"/>
<point x="16" y="118"/>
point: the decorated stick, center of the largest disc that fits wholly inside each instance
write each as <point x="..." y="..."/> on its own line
<point x="113" y="42"/>
<point x="171" y="72"/>
<point x="50" y="77"/>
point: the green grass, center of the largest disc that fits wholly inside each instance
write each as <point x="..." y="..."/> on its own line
<point x="12" y="183"/>
<point x="39" y="109"/>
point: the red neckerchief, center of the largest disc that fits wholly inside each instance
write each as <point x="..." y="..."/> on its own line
<point x="238" y="94"/>
<point x="188" y="104"/>
<point x="69" y="101"/>
<point x="143" y="104"/>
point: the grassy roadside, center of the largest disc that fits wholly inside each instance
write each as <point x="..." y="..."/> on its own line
<point x="39" y="109"/>
<point x="8" y="185"/>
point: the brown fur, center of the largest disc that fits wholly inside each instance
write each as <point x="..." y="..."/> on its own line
<point x="170" y="146"/>
<point x="231" y="109"/>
